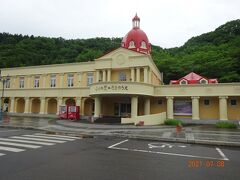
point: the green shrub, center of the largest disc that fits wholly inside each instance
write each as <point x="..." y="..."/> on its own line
<point x="172" y="122"/>
<point x="226" y="125"/>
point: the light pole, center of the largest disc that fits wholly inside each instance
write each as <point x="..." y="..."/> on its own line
<point x="3" y="80"/>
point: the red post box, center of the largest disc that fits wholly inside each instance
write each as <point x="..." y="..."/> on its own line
<point x="63" y="112"/>
<point x="73" y="112"/>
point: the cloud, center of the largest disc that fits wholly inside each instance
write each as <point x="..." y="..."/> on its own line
<point x="167" y="23"/>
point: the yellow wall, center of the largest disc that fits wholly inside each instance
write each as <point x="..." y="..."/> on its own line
<point x="35" y="106"/>
<point x="158" y="108"/>
<point x="20" y="105"/>
<point x="52" y="106"/>
<point x="234" y="111"/>
<point x="115" y="74"/>
<point x="88" y="105"/>
<point x="211" y="111"/>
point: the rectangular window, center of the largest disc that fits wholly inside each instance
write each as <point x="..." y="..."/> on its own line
<point x="206" y="102"/>
<point x="21" y="82"/>
<point x="70" y="80"/>
<point x="89" y="78"/>
<point x="233" y="102"/>
<point x="7" y="83"/>
<point x="122" y="76"/>
<point x="160" y="102"/>
<point x="53" y="81"/>
<point x="36" y="81"/>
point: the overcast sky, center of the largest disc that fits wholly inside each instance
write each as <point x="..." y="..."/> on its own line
<point x="168" y="23"/>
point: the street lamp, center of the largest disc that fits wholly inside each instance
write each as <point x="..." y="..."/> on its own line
<point x="3" y="80"/>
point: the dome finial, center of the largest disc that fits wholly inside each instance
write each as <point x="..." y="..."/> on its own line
<point x="136" y="21"/>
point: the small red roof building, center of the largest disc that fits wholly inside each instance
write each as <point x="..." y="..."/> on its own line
<point x="193" y="78"/>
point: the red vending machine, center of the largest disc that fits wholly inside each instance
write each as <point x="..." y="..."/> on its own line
<point x="63" y="112"/>
<point x="73" y="112"/>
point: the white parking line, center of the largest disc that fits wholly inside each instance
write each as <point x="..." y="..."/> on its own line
<point x="165" y="153"/>
<point x="38" y="139"/>
<point x="11" y="149"/>
<point x="117" y="144"/>
<point x="48" y="137"/>
<point x="26" y="141"/>
<point x="222" y="154"/>
<point x="54" y="135"/>
<point x="1" y="154"/>
<point x="20" y="145"/>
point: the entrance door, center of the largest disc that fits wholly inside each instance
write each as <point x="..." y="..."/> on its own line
<point x="122" y="109"/>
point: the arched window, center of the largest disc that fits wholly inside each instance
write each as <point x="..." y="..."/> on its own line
<point x="203" y="81"/>
<point x="122" y="76"/>
<point x="131" y="44"/>
<point x="183" y="82"/>
<point x="143" y="45"/>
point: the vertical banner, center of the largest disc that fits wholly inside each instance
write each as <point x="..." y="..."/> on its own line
<point x="182" y="107"/>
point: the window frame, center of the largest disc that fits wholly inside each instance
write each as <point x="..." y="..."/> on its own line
<point x="36" y="81"/>
<point x="122" y="76"/>
<point x="206" y="104"/>
<point x="89" y="78"/>
<point x="70" y="80"/>
<point x="232" y="100"/>
<point x="53" y="81"/>
<point x="21" y="82"/>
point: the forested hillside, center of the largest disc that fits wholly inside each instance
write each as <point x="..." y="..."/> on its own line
<point x="215" y="54"/>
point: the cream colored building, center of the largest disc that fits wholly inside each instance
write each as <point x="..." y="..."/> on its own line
<point x="124" y="83"/>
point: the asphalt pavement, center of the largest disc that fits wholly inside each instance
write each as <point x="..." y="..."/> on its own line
<point x="108" y="158"/>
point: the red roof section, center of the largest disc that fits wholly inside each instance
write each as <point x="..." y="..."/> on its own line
<point x="138" y="38"/>
<point x="193" y="78"/>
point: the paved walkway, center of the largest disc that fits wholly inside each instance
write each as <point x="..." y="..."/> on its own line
<point x="204" y="134"/>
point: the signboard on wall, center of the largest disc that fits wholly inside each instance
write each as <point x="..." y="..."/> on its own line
<point x="182" y="107"/>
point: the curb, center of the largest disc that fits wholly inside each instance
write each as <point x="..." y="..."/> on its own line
<point x="152" y="138"/>
<point x="48" y="131"/>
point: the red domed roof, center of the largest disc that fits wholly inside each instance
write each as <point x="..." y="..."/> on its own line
<point x="136" y="39"/>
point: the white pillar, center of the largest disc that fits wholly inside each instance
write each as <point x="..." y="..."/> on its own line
<point x="195" y="107"/>
<point x="97" y="107"/>
<point x="11" y="110"/>
<point x="147" y="106"/>
<point x="104" y="75"/>
<point x="97" y="76"/>
<point x="42" y="105"/>
<point x="149" y="76"/>
<point x="26" y="108"/>
<point x="145" y="74"/>
<point x="138" y="74"/>
<point x="170" y="107"/>
<point x="109" y="75"/>
<point x="223" y="114"/>
<point x="59" y="103"/>
<point x="132" y="74"/>
<point x="134" y="106"/>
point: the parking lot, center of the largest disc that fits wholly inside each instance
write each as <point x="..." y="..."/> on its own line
<point x="171" y="149"/>
<point x="106" y="157"/>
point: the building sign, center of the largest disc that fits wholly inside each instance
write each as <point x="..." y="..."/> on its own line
<point x="111" y="88"/>
<point x="182" y="107"/>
